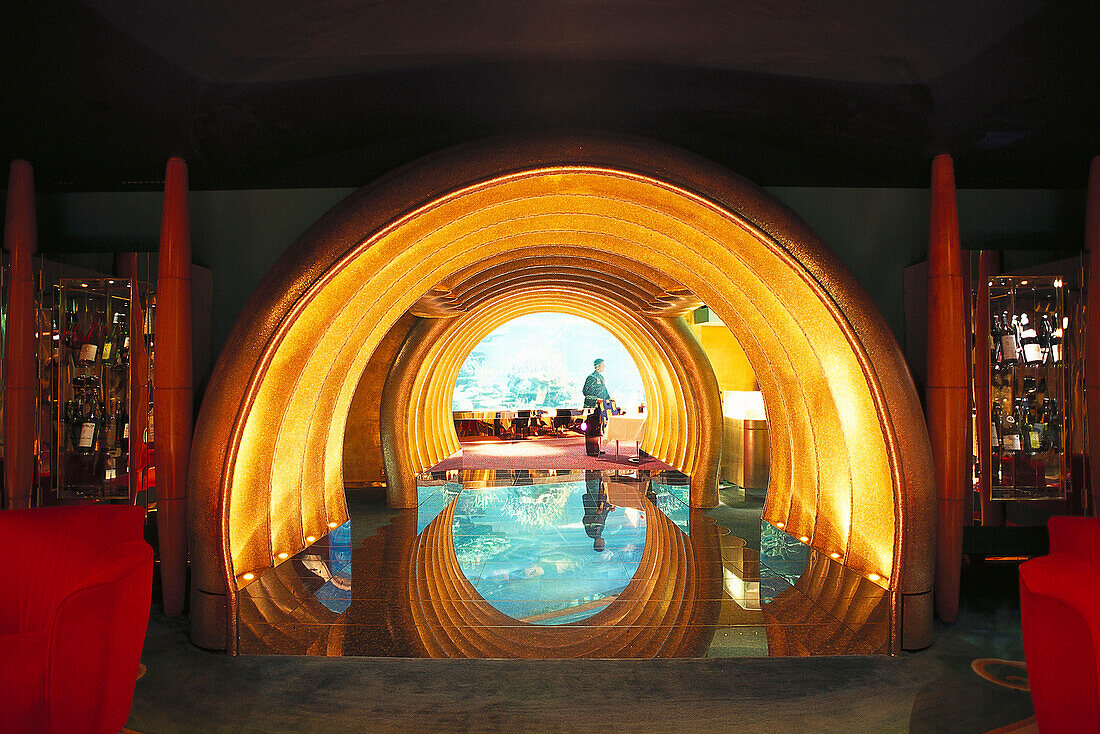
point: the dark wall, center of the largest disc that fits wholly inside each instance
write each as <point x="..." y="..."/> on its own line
<point x="875" y="232"/>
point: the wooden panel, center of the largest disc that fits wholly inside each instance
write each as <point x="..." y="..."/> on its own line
<point x="172" y="388"/>
<point x="945" y="395"/>
<point x="20" y="378"/>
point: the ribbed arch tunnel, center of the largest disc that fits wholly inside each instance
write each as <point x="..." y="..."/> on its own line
<point x="684" y="426"/>
<point x="851" y="468"/>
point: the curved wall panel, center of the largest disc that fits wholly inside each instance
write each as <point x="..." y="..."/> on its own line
<point x="850" y="459"/>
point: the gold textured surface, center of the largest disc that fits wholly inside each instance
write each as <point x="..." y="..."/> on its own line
<point x="850" y="458"/>
<point x="684" y="423"/>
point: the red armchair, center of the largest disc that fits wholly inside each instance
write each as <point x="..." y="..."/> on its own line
<point x="75" y="586"/>
<point x="1060" y="611"/>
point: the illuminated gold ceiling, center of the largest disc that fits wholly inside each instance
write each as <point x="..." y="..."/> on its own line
<point x="637" y="286"/>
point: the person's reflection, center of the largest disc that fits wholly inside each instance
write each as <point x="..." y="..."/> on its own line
<point x="596" y="508"/>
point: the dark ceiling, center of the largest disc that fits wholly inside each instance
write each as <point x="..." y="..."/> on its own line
<point x="287" y="93"/>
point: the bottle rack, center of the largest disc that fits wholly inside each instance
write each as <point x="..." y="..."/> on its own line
<point x="1027" y="387"/>
<point x="93" y="389"/>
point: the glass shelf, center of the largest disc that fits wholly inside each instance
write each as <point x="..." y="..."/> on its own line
<point x="93" y="389"/>
<point x="1027" y="387"/>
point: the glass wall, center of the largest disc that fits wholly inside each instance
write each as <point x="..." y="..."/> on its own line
<point x="541" y="361"/>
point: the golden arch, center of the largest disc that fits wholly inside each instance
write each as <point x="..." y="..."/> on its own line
<point x="684" y="426"/>
<point x="851" y="467"/>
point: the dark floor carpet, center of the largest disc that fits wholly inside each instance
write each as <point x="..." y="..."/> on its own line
<point x="188" y="690"/>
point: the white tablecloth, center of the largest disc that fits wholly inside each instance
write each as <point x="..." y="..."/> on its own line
<point x="628" y="427"/>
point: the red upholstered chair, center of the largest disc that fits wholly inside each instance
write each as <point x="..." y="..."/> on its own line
<point x="1060" y="609"/>
<point x="75" y="585"/>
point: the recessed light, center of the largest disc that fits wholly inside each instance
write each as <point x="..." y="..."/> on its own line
<point x="310" y="539"/>
<point x="248" y="576"/>
<point x="284" y="555"/>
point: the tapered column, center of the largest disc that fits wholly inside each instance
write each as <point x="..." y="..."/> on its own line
<point x="1092" y="337"/>
<point x="989" y="264"/>
<point x="138" y="407"/>
<point x="945" y="396"/>
<point x="172" y="406"/>
<point x="20" y="380"/>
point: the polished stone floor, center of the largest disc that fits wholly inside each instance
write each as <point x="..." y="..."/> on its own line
<point x="561" y="564"/>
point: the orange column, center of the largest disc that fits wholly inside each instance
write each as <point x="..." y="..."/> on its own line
<point x="945" y="396"/>
<point x="20" y="378"/>
<point x="138" y="407"/>
<point x="172" y="406"/>
<point x="1092" y="337"/>
<point x="989" y="264"/>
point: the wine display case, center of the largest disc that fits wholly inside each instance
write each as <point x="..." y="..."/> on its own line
<point x="1027" y="387"/>
<point x="91" y="377"/>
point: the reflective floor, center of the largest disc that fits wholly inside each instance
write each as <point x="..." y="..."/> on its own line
<point x="554" y="564"/>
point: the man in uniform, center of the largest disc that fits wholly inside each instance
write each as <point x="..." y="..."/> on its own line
<point x="594" y="387"/>
<point x="595" y="390"/>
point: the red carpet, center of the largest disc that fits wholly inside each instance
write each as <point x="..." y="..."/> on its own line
<point x="544" y="453"/>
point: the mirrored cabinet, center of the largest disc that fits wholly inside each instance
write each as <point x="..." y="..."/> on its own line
<point x="1027" y="387"/>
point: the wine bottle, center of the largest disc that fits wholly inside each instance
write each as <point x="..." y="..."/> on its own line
<point x="1009" y="348"/>
<point x="1044" y="337"/>
<point x="995" y="428"/>
<point x="1029" y="341"/>
<point x="124" y="343"/>
<point x="996" y="350"/>
<point x="73" y="420"/>
<point x="90" y="336"/>
<point x="109" y="351"/>
<point x="995" y="443"/>
<point x="1010" y="434"/>
<point x="110" y="433"/>
<point x="1053" y="328"/>
<point x="1054" y="426"/>
<point x="88" y="430"/>
<point x="123" y="436"/>
<point x="1029" y="440"/>
<point x="1036" y="435"/>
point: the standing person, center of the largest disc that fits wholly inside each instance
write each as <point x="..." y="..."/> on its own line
<point x="595" y="396"/>
<point x="594" y="387"/>
<point x="596" y="507"/>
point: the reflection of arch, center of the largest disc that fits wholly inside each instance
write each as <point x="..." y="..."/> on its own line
<point x="850" y="459"/>
<point x="668" y="609"/>
<point x="844" y="611"/>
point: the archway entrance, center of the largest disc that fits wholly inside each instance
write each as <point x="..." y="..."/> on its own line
<point x="404" y="272"/>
